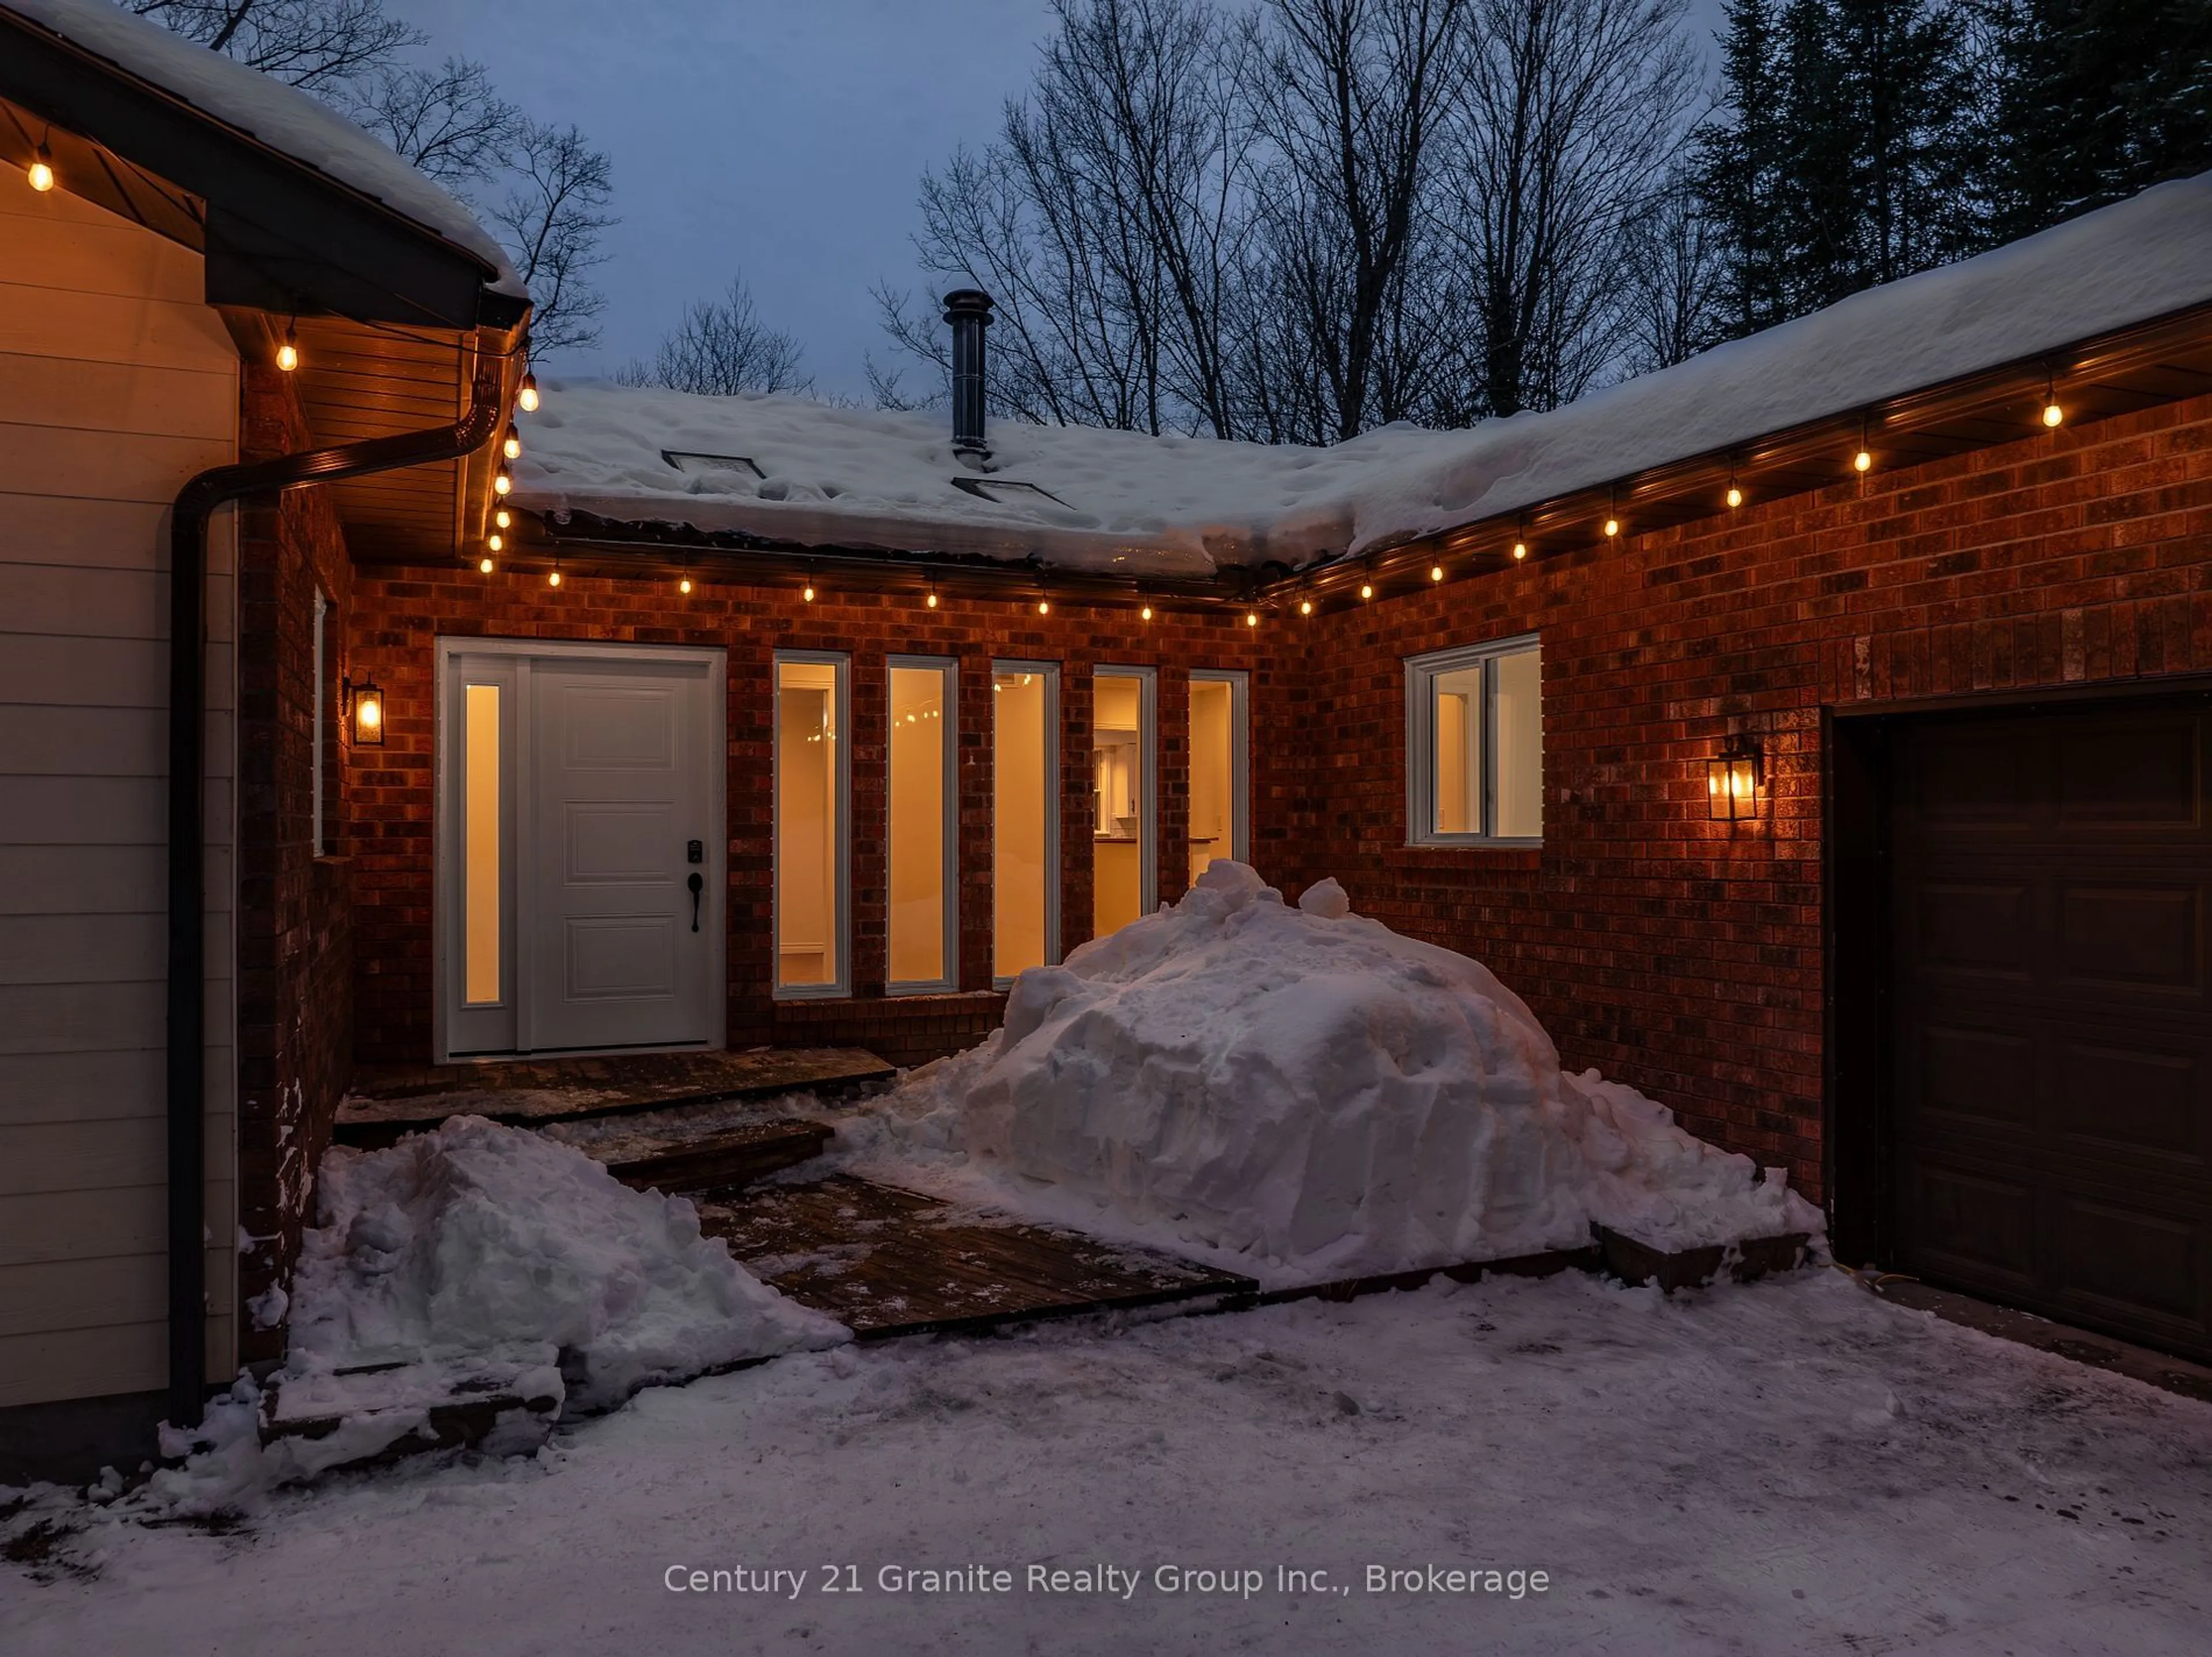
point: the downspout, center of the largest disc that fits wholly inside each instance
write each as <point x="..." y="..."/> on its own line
<point x="187" y="999"/>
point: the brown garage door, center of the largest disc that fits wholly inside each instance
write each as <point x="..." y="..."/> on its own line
<point x="2052" y="1127"/>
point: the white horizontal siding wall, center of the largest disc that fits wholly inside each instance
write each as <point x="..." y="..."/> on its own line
<point x="117" y="384"/>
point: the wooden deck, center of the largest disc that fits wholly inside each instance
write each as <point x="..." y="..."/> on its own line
<point x="887" y="1262"/>
<point x="389" y="1100"/>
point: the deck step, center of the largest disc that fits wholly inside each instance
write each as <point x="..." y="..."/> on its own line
<point x="885" y="1262"/>
<point x="674" y="1158"/>
<point x="387" y="1102"/>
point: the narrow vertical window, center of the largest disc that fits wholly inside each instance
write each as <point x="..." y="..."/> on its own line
<point x="1218" y="748"/>
<point x="921" y="788"/>
<point x="481" y="840"/>
<point x="812" y="811"/>
<point x="1024" y="816"/>
<point x="1124" y="877"/>
<point x="1475" y="739"/>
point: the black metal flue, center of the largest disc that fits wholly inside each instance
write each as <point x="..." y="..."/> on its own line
<point x="968" y="311"/>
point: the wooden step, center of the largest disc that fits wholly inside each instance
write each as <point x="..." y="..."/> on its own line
<point x="672" y="1159"/>
<point x="389" y="1101"/>
<point x="887" y="1262"/>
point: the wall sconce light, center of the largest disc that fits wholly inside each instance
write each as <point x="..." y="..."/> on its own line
<point x="1733" y="780"/>
<point x="364" y="705"/>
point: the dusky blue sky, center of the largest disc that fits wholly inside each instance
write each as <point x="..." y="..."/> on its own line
<point x="780" y="138"/>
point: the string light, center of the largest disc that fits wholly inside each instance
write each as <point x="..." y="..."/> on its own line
<point x="287" y="354"/>
<point x="1305" y="606"/>
<point x="526" y="399"/>
<point x="1144" y="614"/>
<point x="683" y="585"/>
<point x="1251" y="617"/>
<point x="500" y="483"/>
<point x="42" y="171"/>
<point x="497" y="543"/>
<point x="932" y="599"/>
<point x="554" y="580"/>
<point x="807" y="592"/>
<point x="503" y="518"/>
<point x="512" y="447"/>
<point x="1612" y="528"/>
<point x="1864" y="460"/>
<point x="484" y="564"/>
<point x="1044" y="606"/>
<point x="1734" y="495"/>
<point x="1367" y="589"/>
<point x="2053" y="416"/>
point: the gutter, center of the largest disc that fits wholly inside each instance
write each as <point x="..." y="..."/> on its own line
<point x="186" y="1074"/>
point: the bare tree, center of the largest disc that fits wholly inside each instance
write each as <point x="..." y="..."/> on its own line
<point x="319" y="45"/>
<point x="1576" y="110"/>
<point x="720" y="348"/>
<point x="1676" y="279"/>
<point x="449" y="121"/>
<point x="1356" y="97"/>
<point x="552" y="215"/>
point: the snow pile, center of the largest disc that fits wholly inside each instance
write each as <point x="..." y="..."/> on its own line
<point x="1137" y="505"/>
<point x="1307" y="1089"/>
<point x="477" y="1243"/>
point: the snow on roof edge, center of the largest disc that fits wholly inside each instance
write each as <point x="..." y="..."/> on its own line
<point x="280" y="117"/>
<point x="825" y="476"/>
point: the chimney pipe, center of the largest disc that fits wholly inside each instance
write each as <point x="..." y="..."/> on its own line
<point x="968" y="311"/>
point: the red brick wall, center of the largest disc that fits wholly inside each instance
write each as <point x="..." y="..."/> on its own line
<point x="1685" y="956"/>
<point x="294" y="937"/>
<point x="398" y="616"/>
<point x="1681" y="956"/>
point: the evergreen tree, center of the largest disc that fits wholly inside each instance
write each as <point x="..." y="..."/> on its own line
<point x="2096" y="100"/>
<point x="1739" y="169"/>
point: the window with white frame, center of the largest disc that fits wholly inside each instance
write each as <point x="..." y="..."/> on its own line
<point x="1475" y="745"/>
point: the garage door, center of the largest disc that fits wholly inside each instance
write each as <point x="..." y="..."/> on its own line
<point x="2052" y="1039"/>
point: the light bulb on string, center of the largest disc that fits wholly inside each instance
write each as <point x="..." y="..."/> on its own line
<point x="2053" y="416"/>
<point x="807" y="592"/>
<point x="287" y="354"/>
<point x="41" y="172"/>
<point x="1044" y="606"/>
<point x="1367" y="589"/>
<point x="512" y="447"/>
<point x="931" y="598"/>
<point x="485" y="565"/>
<point x="1251" y="617"/>
<point x="1520" y="550"/>
<point x="683" y="585"/>
<point x="554" y="580"/>
<point x="1862" y="461"/>
<point x="503" y="518"/>
<point x="1145" y="614"/>
<point x="496" y="542"/>
<point x="500" y="483"/>
<point x="1305" y="606"/>
<point x="526" y="399"/>
<point x="1612" y="528"/>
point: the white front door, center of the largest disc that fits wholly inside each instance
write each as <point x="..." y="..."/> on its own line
<point x="582" y="882"/>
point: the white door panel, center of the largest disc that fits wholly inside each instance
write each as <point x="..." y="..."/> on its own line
<point x="613" y="780"/>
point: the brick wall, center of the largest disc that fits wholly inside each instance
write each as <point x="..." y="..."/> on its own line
<point x="1686" y="956"/>
<point x="1680" y="955"/>
<point x="295" y="934"/>
<point x="397" y="615"/>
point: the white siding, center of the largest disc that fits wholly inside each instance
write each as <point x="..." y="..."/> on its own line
<point x="117" y="384"/>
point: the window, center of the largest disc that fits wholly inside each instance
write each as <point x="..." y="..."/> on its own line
<point x="813" y="822"/>
<point x="923" y="791"/>
<point x="1024" y="816"/>
<point x="1474" y="763"/>
<point x="1125" y="873"/>
<point x="1218" y="759"/>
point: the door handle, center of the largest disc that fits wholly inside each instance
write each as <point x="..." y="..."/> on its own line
<point x="698" y="885"/>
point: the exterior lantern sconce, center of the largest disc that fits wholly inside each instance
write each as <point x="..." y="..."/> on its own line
<point x="364" y="705"/>
<point x="1733" y="780"/>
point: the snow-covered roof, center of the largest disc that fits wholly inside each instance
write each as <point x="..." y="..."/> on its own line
<point x="281" y="117"/>
<point x="797" y="470"/>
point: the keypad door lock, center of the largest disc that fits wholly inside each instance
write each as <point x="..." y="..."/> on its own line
<point x="695" y="851"/>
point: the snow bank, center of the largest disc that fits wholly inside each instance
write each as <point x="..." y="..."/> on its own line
<point x="1131" y="504"/>
<point x="477" y="1242"/>
<point x="1308" y="1089"/>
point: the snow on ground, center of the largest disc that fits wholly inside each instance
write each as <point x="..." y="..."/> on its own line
<point x="1305" y="1094"/>
<point x="474" y="1260"/>
<point x="1793" y="1466"/>
<point x="1139" y="506"/>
